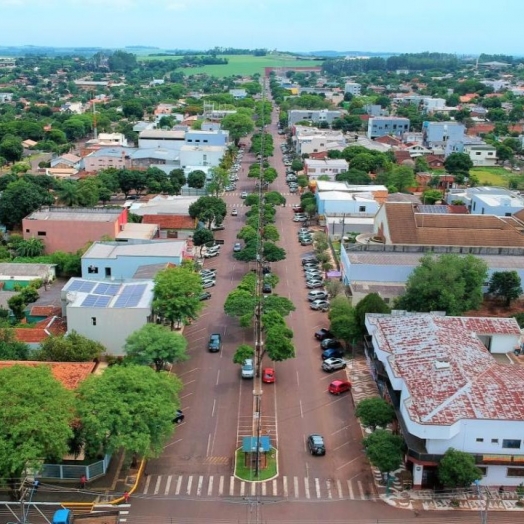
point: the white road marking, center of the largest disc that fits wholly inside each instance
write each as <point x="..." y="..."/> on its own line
<point x="146" y="487"/>
<point x="218" y="377"/>
<point x="221" y="486"/>
<point x="242" y="489"/>
<point x="284" y="486"/>
<point x="168" y="484"/>
<point x="208" y="445"/>
<point x="306" y="487"/>
<point x="264" y="489"/>
<point x="231" y="486"/>
<point x="275" y="488"/>
<point x="253" y="489"/>
<point x="214" y="406"/>
<point x="157" y="487"/>
<point x="301" y="410"/>
<point x="199" y="486"/>
<point x="317" y="487"/>
<point x="339" y="489"/>
<point x="295" y="485"/>
<point x="210" y="486"/>
<point x="328" y="487"/>
<point x="298" y="380"/>
<point x="361" y="489"/>
<point x="178" y="485"/>
<point x="189" y="484"/>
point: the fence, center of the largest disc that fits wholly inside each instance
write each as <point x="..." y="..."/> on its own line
<point x="75" y="471"/>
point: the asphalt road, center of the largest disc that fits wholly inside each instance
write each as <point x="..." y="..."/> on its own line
<point x="193" y="477"/>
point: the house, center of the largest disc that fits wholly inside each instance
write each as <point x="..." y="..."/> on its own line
<point x="330" y="167"/>
<point x="66" y="161"/>
<point x="375" y="110"/>
<point x="201" y="155"/>
<point x="439" y="134"/>
<point x="482" y="154"/>
<point x="172" y="226"/>
<point x="309" y="140"/>
<point x="28" y="144"/>
<point x="435" y="161"/>
<point x="70" y="229"/>
<point x="107" y="312"/>
<point x="105" y="157"/>
<point x="35" y="334"/>
<point x="449" y="391"/>
<point x="387" y="125"/>
<point x="488" y="200"/>
<point x="117" y="261"/>
<point x="107" y="140"/>
<point x="352" y="88"/>
<point x="238" y="94"/>
<point x="19" y="274"/>
<point x="6" y="97"/>
<point x="316" y="116"/>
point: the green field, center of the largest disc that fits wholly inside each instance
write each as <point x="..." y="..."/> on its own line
<point x="244" y="65"/>
<point x="494" y="176"/>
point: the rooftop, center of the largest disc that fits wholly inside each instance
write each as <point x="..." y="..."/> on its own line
<point x="76" y="214"/>
<point x="189" y="147"/>
<point x="325" y="162"/>
<point x="105" y="250"/>
<point x="25" y="270"/>
<point x="170" y="221"/>
<point x="327" y="185"/>
<point x="161" y="133"/>
<point x="134" y="231"/>
<point x="448" y="373"/>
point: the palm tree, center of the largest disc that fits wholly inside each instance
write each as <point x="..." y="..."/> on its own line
<point x="68" y="193"/>
<point x="32" y="247"/>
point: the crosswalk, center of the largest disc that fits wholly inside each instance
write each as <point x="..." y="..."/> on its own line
<point x="216" y="486"/>
<point x="237" y="194"/>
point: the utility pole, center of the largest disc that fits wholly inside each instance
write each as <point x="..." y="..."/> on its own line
<point x="483" y="511"/>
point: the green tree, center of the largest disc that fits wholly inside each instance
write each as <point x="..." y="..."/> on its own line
<point x="345" y="327"/>
<point x="449" y="283"/>
<point x="282" y="305"/>
<point x="421" y="165"/>
<point x="176" y="295"/>
<point x="128" y="407"/>
<point x="69" y="348"/>
<point x="201" y="237"/>
<point x="371" y="303"/>
<point x="67" y="193"/>
<point x="17" y="305"/>
<point x="31" y="248"/>
<point x="218" y="181"/>
<point x="431" y="196"/>
<point x="274" y="198"/>
<point x="196" y="179"/>
<point x="375" y="411"/>
<point x="19" y="199"/>
<point x="153" y="344"/>
<point x="278" y="345"/>
<point x="133" y="109"/>
<point x="243" y="352"/>
<point x="11" y="148"/>
<point x="238" y="125"/>
<point x="401" y="177"/>
<point x="457" y="469"/>
<point x="36" y="416"/>
<point x="458" y="164"/>
<point x="505" y="285"/>
<point x="10" y="348"/>
<point x="272" y="253"/>
<point x="296" y="165"/>
<point x="384" y="450"/>
<point x="208" y="210"/>
<point x="240" y="304"/>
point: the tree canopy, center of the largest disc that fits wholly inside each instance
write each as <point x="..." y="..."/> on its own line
<point x="506" y="285"/>
<point x="384" y="450"/>
<point x="375" y="411"/>
<point x="208" y="210"/>
<point x="457" y="469"/>
<point x="69" y="348"/>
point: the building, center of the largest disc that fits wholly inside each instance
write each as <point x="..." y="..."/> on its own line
<point x="165" y="139"/>
<point x="117" y="261"/>
<point x="172" y="225"/>
<point x="107" y="140"/>
<point x="207" y="138"/>
<point x="439" y="134"/>
<point x="196" y="155"/>
<point x="315" y="116"/>
<point x="330" y="167"/>
<point x="19" y="274"/>
<point x="352" y="88"/>
<point x="313" y="140"/>
<point x="6" y="97"/>
<point x="387" y="125"/>
<point x="107" y="312"/>
<point x="482" y="154"/>
<point x="66" y="161"/>
<point x="105" y="157"/>
<point x="449" y="391"/>
<point x="487" y="200"/>
<point x="238" y="94"/>
<point x="70" y="229"/>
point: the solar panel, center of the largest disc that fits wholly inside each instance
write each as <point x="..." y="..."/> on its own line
<point x="82" y="285"/>
<point x="121" y="301"/>
<point x="133" y="300"/>
<point x="107" y="289"/>
<point x="89" y="301"/>
<point x="96" y="301"/>
<point x="103" y="301"/>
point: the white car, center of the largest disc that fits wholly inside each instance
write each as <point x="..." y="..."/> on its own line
<point x="234" y="213"/>
<point x="319" y="305"/>
<point x="248" y="370"/>
<point x="299" y="218"/>
<point x="317" y="294"/>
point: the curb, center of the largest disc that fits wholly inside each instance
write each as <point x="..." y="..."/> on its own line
<point x="119" y="500"/>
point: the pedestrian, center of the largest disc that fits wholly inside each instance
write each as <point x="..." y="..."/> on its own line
<point x="83" y="480"/>
<point x="501" y="490"/>
<point x="126" y="497"/>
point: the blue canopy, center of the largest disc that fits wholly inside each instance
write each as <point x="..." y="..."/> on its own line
<point x="249" y="444"/>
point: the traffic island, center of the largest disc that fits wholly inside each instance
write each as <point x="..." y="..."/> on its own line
<point x="246" y="462"/>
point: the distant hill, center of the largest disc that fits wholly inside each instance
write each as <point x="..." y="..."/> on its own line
<point x="336" y="54"/>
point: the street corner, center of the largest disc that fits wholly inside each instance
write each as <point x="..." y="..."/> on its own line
<point x="400" y="500"/>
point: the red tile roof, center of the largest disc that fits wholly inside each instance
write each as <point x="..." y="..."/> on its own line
<point x="45" y="311"/>
<point x="70" y="374"/>
<point x="39" y="331"/>
<point x="170" y="221"/>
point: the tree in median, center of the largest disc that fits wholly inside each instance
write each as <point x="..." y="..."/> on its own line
<point x="278" y="345"/>
<point x="243" y="352"/>
<point x="176" y="295"/>
<point x="128" y="407"/>
<point x="153" y="344"/>
<point x="457" y="469"/>
<point x="375" y="411"/>
<point x="505" y="285"/>
<point x="36" y="415"/>
<point x="384" y="450"/>
<point x="241" y="303"/>
<point x="449" y="283"/>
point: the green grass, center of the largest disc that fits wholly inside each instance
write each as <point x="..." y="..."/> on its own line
<point x="243" y="65"/>
<point x="495" y="176"/>
<point x="247" y="473"/>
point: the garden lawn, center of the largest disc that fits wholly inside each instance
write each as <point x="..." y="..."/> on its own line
<point x="493" y="176"/>
<point x="248" y="474"/>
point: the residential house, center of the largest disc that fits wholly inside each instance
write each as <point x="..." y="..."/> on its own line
<point x="94" y="308"/>
<point x="107" y="140"/>
<point x="437" y="383"/>
<point x="375" y="110"/>
<point x="66" y="160"/>
<point x="20" y="274"/>
<point x="172" y="226"/>
<point x="70" y="229"/>
<point x="313" y="140"/>
<point x="35" y="334"/>
<point x="387" y="125"/>
<point x="352" y="88"/>
<point x="435" y="161"/>
<point x="117" y="261"/>
<point x="330" y="167"/>
<point x="488" y="200"/>
<point x="315" y="116"/>
<point x="238" y="94"/>
<point x="6" y="97"/>
<point x="481" y="154"/>
<point x="28" y="144"/>
<point x="438" y="134"/>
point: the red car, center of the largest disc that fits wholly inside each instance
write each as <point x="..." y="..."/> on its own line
<point x="339" y="386"/>
<point x="268" y="375"/>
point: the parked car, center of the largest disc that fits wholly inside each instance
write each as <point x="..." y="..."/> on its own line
<point x="317" y="294"/>
<point x="266" y="288"/>
<point x="237" y="247"/>
<point x="268" y="375"/>
<point x="306" y="242"/>
<point x="313" y="274"/>
<point x="179" y="417"/>
<point x="206" y="295"/>
<point x="211" y="254"/>
<point x="330" y="343"/>
<point x="333" y="364"/>
<point x="339" y="386"/>
<point x="208" y="272"/>
<point x="248" y="371"/>
<point x="243" y="194"/>
<point x="299" y="218"/>
<point x="312" y="284"/>
<point x="234" y="212"/>
<point x="322" y="333"/>
<point x="319" y="305"/>
<point x="208" y="283"/>
<point x="215" y="343"/>
<point x="218" y="227"/>
<point x="332" y="353"/>
<point x="309" y="260"/>
<point x="310" y="265"/>
<point x="315" y="445"/>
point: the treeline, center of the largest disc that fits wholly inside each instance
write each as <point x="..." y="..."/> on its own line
<point x="413" y="62"/>
<point x="215" y="51"/>
<point x="194" y="61"/>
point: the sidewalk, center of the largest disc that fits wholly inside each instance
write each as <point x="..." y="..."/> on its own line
<point x="363" y="386"/>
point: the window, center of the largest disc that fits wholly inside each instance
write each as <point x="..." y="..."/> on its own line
<point x="27" y="230"/>
<point x="41" y="233"/>
<point x="515" y="472"/>
<point x="478" y="153"/>
<point x="362" y="209"/>
<point x="484" y="470"/>
<point x="108" y="272"/>
<point x="494" y="440"/>
<point x="511" y="444"/>
<point x="92" y="269"/>
<point x="480" y="440"/>
<point x="93" y="321"/>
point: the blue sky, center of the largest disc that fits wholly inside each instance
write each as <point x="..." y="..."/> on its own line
<point x="457" y="26"/>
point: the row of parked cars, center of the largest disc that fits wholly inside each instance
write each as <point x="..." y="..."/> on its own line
<point x="233" y="173"/>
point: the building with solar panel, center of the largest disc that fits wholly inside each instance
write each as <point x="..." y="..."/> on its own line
<point x="107" y="312"/>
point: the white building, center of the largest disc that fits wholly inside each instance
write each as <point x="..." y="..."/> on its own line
<point x="314" y="168"/>
<point x="481" y="154"/>
<point x="312" y="140"/>
<point x="107" y="312"/>
<point x="488" y="200"/>
<point x="108" y="140"/>
<point x="153" y="138"/>
<point x="201" y="155"/>
<point x="353" y="88"/>
<point x="449" y="391"/>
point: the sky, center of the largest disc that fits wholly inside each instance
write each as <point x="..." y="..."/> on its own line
<point x="454" y="26"/>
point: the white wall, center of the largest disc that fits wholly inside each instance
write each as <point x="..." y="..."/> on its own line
<point x="503" y="343"/>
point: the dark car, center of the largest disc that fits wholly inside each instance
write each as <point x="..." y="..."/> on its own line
<point x="332" y="353"/>
<point x="179" y="417"/>
<point x="330" y="343"/>
<point x="309" y="260"/>
<point x="323" y="333"/>
<point x="206" y="295"/>
<point x="266" y="288"/>
<point x="215" y="343"/>
<point x="315" y="444"/>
